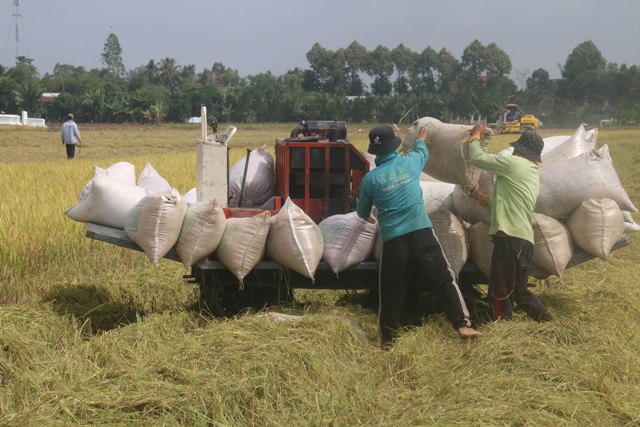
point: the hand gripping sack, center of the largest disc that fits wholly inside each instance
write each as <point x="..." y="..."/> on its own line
<point x="294" y="240"/>
<point x="564" y="185"/>
<point x="468" y="207"/>
<point x="108" y="202"/>
<point x="348" y="240"/>
<point x="596" y="225"/>
<point x="201" y="232"/>
<point x="448" y="151"/>
<point x="243" y="243"/>
<point x="154" y="223"/>
<point x="553" y="247"/>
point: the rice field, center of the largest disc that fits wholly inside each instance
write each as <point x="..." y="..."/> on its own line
<point x="93" y="334"/>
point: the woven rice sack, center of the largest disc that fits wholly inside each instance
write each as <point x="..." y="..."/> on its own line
<point x="243" y="243"/>
<point x="295" y="241"/>
<point x="151" y="180"/>
<point x="201" y="232"/>
<point x="564" y="185"/>
<point x="154" y="223"/>
<point x="260" y="183"/>
<point x="121" y="171"/>
<point x="108" y="202"/>
<point x="437" y="194"/>
<point x="348" y="240"/>
<point x="580" y="142"/>
<point x="630" y="225"/>
<point x="191" y="196"/>
<point x="448" y="151"/>
<point x="468" y="207"/>
<point x="481" y="247"/>
<point x="452" y="237"/>
<point x="596" y="225"/>
<point x="553" y="246"/>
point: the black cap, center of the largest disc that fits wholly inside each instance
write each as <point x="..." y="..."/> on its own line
<point x="530" y="145"/>
<point x="382" y="140"/>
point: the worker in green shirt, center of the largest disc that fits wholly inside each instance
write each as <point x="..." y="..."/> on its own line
<point x="512" y="204"/>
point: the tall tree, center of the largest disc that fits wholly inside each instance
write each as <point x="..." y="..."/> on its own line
<point x="582" y="74"/>
<point x="380" y="66"/>
<point x="112" y="56"/>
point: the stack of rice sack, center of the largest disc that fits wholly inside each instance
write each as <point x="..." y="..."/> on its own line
<point x="581" y="205"/>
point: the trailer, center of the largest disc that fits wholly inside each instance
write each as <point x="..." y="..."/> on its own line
<point x="320" y="172"/>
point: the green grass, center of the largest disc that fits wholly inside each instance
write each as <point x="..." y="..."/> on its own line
<point x="92" y="334"/>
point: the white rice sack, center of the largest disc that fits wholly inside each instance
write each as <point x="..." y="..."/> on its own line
<point x="201" y="232"/>
<point x="191" y="196"/>
<point x="596" y="225"/>
<point x="371" y="158"/>
<point x="580" y="142"/>
<point x="154" y="223"/>
<point x="243" y="243"/>
<point x="260" y="183"/>
<point x="108" y="202"/>
<point x="630" y="226"/>
<point x="553" y="246"/>
<point x="468" y="207"/>
<point x="448" y="151"/>
<point x="151" y="180"/>
<point x="348" y="240"/>
<point x="295" y="241"/>
<point x="564" y="185"/>
<point x="121" y="171"/>
<point x="452" y="237"/>
<point x="481" y="247"/>
<point x="436" y="194"/>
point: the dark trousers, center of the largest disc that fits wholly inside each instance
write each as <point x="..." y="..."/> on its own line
<point x="71" y="150"/>
<point x="509" y="279"/>
<point x="416" y="256"/>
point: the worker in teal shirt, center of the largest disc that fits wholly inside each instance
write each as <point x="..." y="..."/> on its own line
<point x="512" y="204"/>
<point x="410" y="248"/>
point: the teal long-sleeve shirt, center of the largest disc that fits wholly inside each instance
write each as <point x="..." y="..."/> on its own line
<point x="515" y="192"/>
<point x="394" y="188"/>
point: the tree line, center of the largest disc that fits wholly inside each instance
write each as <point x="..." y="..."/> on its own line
<point x="352" y="84"/>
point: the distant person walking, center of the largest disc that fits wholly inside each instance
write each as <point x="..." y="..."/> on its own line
<point x="70" y="136"/>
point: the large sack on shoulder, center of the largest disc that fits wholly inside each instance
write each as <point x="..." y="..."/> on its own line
<point x="467" y="205"/>
<point x="243" y="243"/>
<point x="107" y="202"/>
<point x="201" y="232"/>
<point x="121" y="171"/>
<point x="596" y="225"/>
<point x="564" y="185"/>
<point x="481" y="247"/>
<point x="260" y="183"/>
<point x="151" y="180"/>
<point x="448" y="151"/>
<point x="452" y="237"/>
<point x="582" y="141"/>
<point x="154" y="223"/>
<point x="436" y="194"/>
<point x="348" y="240"/>
<point x="553" y="246"/>
<point x="295" y="241"/>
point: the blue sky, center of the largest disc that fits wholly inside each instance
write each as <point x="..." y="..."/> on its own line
<point x="254" y="36"/>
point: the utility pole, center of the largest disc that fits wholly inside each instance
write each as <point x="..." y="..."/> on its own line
<point x="17" y="16"/>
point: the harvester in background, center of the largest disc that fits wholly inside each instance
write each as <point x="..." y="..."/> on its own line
<point x="511" y="120"/>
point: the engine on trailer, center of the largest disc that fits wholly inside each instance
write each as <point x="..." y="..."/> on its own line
<point x="314" y="130"/>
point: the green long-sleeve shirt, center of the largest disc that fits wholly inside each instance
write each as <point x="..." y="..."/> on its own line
<point x="515" y="192"/>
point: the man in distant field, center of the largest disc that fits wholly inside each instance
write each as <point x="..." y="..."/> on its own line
<point x="512" y="204"/>
<point x="70" y="136"/>
<point x="409" y="243"/>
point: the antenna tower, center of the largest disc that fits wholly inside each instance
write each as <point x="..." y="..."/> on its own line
<point x="17" y="16"/>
